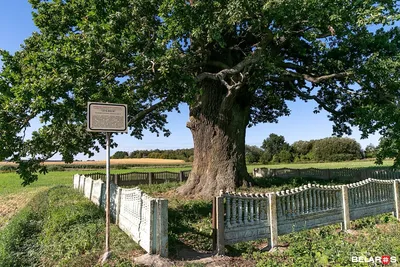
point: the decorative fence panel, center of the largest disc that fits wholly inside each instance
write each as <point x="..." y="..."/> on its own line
<point x="143" y="218"/>
<point x="97" y="176"/>
<point x="87" y="190"/>
<point x="245" y="217"/>
<point x="351" y="175"/>
<point x="98" y="190"/>
<point x="137" y="178"/>
<point x="81" y="183"/>
<point x="135" y="216"/>
<point x="165" y="177"/>
<point x="308" y="207"/>
<point x="370" y="197"/>
<point x="185" y="175"/>
<point x="132" y="178"/>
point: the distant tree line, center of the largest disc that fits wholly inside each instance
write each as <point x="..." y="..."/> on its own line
<point x="275" y="149"/>
<point x="185" y="154"/>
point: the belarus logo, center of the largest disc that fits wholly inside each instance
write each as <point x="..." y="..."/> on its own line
<point x="385" y="259"/>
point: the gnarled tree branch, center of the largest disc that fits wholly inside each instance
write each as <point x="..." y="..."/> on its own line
<point x="318" y="79"/>
<point x="148" y="110"/>
<point x="234" y="70"/>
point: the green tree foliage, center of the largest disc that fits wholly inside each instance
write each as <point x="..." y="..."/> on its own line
<point x="253" y="154"/>
<point x="302" y="147"/>
<point x="182" y="154"/>
<point x="247" y="56"/>
<point x="336" y="149"/>
<point x="272" y="146"/>
<point x="284" y="156"/>
<point x="388" y="148"/>
<point x="371" y="151"/>
<point x="302" y="150"/>
<point x="120" y="155"/>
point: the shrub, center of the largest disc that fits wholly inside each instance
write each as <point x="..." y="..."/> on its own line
<point x="55" y="168"/>
<point x="8" y="168"/>
<point x="336" y="149"/>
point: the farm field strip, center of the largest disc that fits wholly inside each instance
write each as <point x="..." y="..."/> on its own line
<point x="115" y="161"/>
<point x="10" y="204"/>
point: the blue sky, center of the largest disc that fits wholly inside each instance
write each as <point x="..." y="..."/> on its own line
<point x="16" y="25"/>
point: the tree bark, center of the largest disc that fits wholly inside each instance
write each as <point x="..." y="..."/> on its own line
<point x="218" y="123"/>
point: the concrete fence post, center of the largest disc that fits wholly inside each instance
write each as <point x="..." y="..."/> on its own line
<point x="82" y="184"/>
<point x="273" y="221"/>
<point x="76" y="181"/>
<point x="151" y="177"/>
<point x="153" y="226"/>
<point x="162" y="227"/>
<point x="220" y="225"/>
<point x="116" y="179"/>
<point x="181" y="176"/>
<point x="91" y="188"/>
<point x="118" y="205"/>
<point x="396" y="184"/>
<point x="345" y="207"/>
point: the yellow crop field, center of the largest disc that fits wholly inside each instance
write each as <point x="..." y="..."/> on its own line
<point x="116" y="161"/>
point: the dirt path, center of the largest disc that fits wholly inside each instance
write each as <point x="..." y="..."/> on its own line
<point x="10" y="204"/>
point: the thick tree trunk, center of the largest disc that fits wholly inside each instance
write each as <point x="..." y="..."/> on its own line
<point x="218" y="123"/>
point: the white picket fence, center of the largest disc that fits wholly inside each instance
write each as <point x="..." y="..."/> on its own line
<point x="143" y="218"/>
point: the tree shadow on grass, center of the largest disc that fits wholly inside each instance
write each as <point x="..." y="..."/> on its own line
<point x="190" y="229"/>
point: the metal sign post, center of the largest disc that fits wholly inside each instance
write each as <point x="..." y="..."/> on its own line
<point x="108" y="118"/>
<point x="107" y="194"/>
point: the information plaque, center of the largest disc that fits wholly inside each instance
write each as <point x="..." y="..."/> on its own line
<point x="107" y="117"/>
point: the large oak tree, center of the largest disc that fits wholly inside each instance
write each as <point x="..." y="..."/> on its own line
<point x="235" y="62"/>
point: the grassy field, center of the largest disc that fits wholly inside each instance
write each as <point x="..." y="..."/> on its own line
<point x="190" y="230"/>
<point x="326" y="165"/>
<point x="60" y="227"/>
<point x="13" y="196"/>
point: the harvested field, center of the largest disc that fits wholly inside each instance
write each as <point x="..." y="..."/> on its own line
<point x="12" y="203"/>
<point x="115" y="161"/>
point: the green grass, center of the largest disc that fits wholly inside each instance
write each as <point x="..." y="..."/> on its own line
<point x="328" y="246"/>
<point x="324" y="165"/>
<point x="59" y="227"/>
<point x="11" y="183"/>
<point x="190" y="228"/>
<point x="71" y="232"/>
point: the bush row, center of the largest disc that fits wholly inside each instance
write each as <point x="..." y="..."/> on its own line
<point x="185" y="154"/>
<point x="331" y="149"/>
